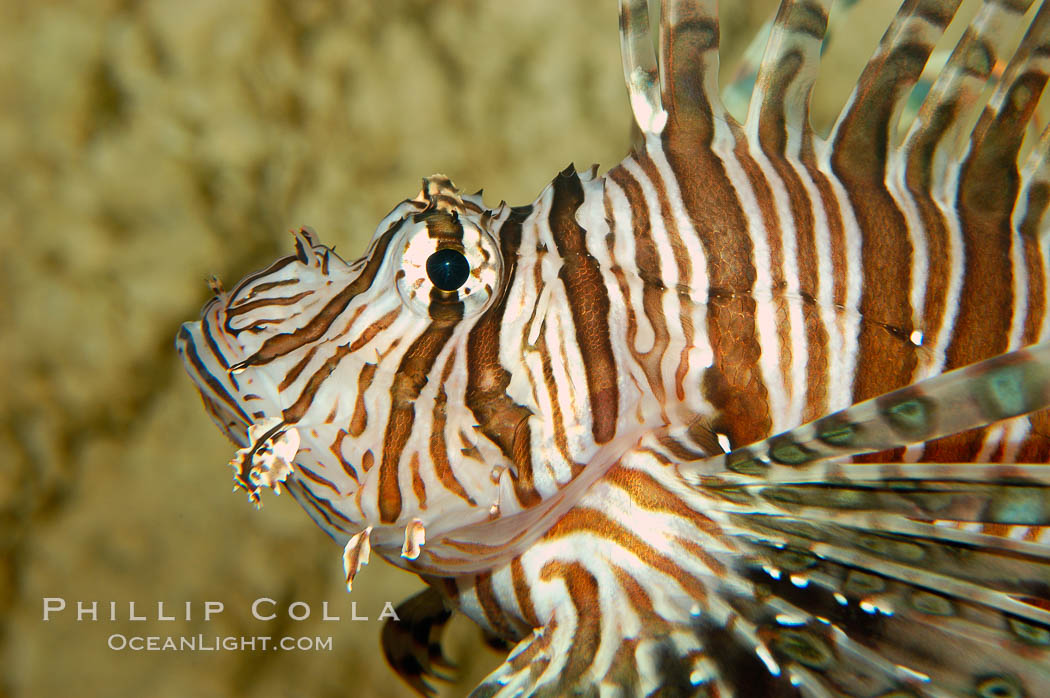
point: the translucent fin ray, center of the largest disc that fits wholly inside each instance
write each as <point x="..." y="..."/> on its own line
<point x="640" y="70"/>
<point x="862" y="134"/>
<point x="872" y="629"/>
<point x="779" y="108"/>
<point x="689" y="33"/>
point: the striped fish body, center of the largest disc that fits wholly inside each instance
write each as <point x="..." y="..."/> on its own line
<point x="754" y="413"/>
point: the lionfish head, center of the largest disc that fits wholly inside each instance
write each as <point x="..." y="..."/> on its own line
<point x="347" y="383"/>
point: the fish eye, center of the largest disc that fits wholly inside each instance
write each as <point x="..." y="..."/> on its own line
<point x="448" y="269"/>
<point x="446" y="262"/>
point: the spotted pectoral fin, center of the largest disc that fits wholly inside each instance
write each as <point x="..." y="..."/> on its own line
<point x="860" y="611"/>
<point x="862" y="579"/>
<point x="412" y="643"/>
<point x="920" y="578"/>
<point x="909" y="496"/>
<point x="1009" y="385"/>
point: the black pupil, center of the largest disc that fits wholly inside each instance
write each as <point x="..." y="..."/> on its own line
<point x="448" y="269"/>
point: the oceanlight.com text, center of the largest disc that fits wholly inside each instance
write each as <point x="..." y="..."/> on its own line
<point x="216" y="643"/>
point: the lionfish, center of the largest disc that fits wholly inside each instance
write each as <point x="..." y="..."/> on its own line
<point x="755" y="413"/>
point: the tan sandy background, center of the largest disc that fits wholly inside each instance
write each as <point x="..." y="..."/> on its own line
<point x="146" y="145"/>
